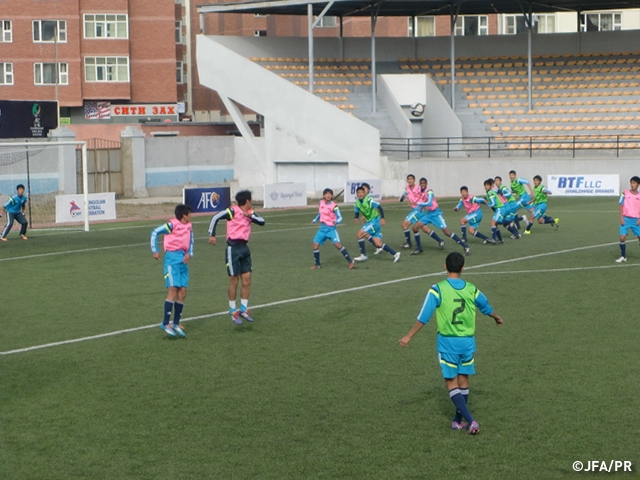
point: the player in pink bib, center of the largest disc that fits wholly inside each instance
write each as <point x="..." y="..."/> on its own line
<point x="416" y="194"/>
<point x="237" y="255"/>
<point x="472" y="219"/>
<point x="178" y="248"/>
<point x="329" y="216"/>
<point x="629" y="215"/>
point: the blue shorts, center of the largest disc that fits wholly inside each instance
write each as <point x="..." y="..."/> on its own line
<point x="539" y="210"/>
<point x="630" y="223"/>
<point x="453" y="365"/>
<point x="524" y="199"/>
<point x="434" y="218"/>
<point x="511" y="207"/>
<point x="474" y="218"/>
<point x="326" y="233"/>
<point x="414" y="215"/>
<point x="498" y="215"/>
<point x="373" y="228"/>
<point x="509" y="217"/>
<point x="176" y="273"/>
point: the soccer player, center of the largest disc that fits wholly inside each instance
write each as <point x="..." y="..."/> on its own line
<point x="237" y="255"/>
<point x="454" y="302"/>
<point x="518" y="187"/>
<point x="178" y="248"/>
<point x="511" y="205"/>
<point x="371" y="230"/>
<point x="629" y="216"/>
<point x="539" y="202"/>
<point x="432" y="215"/>
<point x="495" y="202"/>
<point x="415" y="214"/>
<point x="473" y="217"/>
<point x="14" y="208"/>
<point x="329" y="216"/>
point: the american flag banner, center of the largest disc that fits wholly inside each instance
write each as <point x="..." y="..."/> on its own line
<point x="97" y="110"/>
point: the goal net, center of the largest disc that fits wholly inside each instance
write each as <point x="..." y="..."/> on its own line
<point x="46" y="169"/>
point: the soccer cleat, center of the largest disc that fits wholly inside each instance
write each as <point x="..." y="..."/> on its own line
<point x="360" y="258"/>
<point x="178" y="329"/>
<point x="416" y="252"/>
<point x="515" y="237"/>
<point x="167" y="329"/>
<point x="405" y="245"/>
<point x="488" y="240"/>
<point x="621" y="259"/>
<point x="459" y="425"/>
<point x="378" y="250"/>
<point x="235" y="317"/>
<point x="441" y="245"/>
<point x="473" y="429"/>
<point x="527" y="232"/>
<point x="556" y="222"/>
<point x="246" y="316"/>
<point x="467" y="251"/>
<point x="351" y="265"/>
<point x="396" y="257"/>
<point x="315" y="267"/>
<point x="3" y="239"/>
<point x="499" y="242"/>
<point x="24" y="237"/>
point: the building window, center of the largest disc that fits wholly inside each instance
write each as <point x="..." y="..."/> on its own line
<point x="546" y="23"/>
<point x="472" y="25"/>
<point x="6" y="73"/>
<point x="45" y="74"/>
<point x="259" y="33"/>
<point x="513" y="24"/>
<point x="178" y="32"/>
<point x="106" y="69"/>
<point x="424" y="27"/>
<point x="600" y="22"/>
<point x="105" y="26"/>
<point x="179" y="72"/>
<point x="5" y="31"/>
<point x="327" y="21"/>
<point x="45" y="31"/>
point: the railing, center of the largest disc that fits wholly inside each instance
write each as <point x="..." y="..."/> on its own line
<point x="523" y="145"/>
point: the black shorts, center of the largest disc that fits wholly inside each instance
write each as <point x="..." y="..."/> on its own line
<point x="237" y="257"/>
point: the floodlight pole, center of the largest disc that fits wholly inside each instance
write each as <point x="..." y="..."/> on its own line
<point x="374" y="20"/>
<point x="452" y="41"/>
<point x="310" y="36"/>
<point x="529" y="57"/>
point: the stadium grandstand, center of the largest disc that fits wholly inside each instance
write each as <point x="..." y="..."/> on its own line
<point x="566" y="94"/>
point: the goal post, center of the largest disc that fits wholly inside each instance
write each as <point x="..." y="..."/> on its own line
<point x="45" y="176"/>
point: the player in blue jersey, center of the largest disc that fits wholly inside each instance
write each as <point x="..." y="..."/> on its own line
<point x="539" y="202"/>
<point x="472" y="219"/>
<point x="432" y="215"/>
<point x="328" y="216"/>
<point x="512" y="205"/>
<point x="521" y="188"/>
<point x="15" y="208"/>
<point x="454" y="302"/>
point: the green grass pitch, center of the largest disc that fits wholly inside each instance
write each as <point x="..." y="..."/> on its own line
<point x="318" y="387"/>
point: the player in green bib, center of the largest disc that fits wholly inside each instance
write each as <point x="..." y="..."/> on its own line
<point x="454" y="302"/>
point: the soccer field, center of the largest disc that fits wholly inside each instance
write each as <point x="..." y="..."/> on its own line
<point x="317" y="387"/>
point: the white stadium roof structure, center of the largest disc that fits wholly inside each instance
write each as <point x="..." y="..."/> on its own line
<point x="316" y="9"/>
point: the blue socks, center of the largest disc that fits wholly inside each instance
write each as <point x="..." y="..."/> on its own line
<point x="435" y="236"/>
<point x="362" y="246"/>
<point x="480" y="235"/>
<point x="465" y="395"/>
<point x="407" y="236"/>
<point x="178" y="313"/>
<point x="461" y="405"/>
<point x="388" y="249"/>
<point x="168" y="306"/>
<point x="463" y="229"/>
<point x="548" y="219"/>
<point x="343" y="251"/>
<point x="495" y="234"/>
<point x="623" y="249"/>
<point x="416" y="236"/>
<point x="316" y="256"/>
<point x="456" y="239"/>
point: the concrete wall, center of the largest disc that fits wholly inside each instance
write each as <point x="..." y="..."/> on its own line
<point x="439" y="119"/>
<point x="299" y="127"/>
<point x="174" y="162"/>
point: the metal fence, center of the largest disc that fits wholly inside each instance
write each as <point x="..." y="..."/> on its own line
<point x="512" y="145"/>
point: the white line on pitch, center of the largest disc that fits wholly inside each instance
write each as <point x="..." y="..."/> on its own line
<point x="95" y="249"/>
<point x="312" y="297"/>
